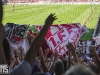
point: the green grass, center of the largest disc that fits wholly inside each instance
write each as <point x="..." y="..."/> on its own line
<point x="36" y="15"/>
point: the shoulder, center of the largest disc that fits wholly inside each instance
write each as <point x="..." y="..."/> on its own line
<point x="23" y="68"/>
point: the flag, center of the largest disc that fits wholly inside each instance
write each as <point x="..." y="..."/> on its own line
<point x="15" y="32"/>
<point x="15" y="35"/>
<point x="59" y="35"/>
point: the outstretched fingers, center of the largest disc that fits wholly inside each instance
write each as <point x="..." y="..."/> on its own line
<point x="54" y="16"/>
<point x="50" y="19"/>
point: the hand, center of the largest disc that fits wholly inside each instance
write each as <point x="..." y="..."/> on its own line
<point x="81" y="60"/>
<point x="50" y="19"/>
<point x="21" y="49"/>
<point x="56" y="54"/>
<point x="92" y="49"/>
<point x="12" y="58"/>
<point x="16" y="52"/>
<point x="51" y="57"/>
<point x="70" y="47"/>
<point x="30" y="37"/>
<point x="47" y="51"/>
<point x="90" y="62"/>
<point x="1" y="12"/>
<point x="40" y="51"/>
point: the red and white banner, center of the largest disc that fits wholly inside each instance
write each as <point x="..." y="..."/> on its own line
<point x="59" y="35"/>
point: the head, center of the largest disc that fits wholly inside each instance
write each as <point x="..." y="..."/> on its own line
<point x="35" y="69"/>
<point x="94" y="68"/>
<point x="79" y="70"/>
<point x="39" y="73"/>
<point x="61" y="57"/>
<point x="65" y="64"/>
<point x="64" y="55"/>
<point x="6" y="48"/>
<point x="77" y="53"/>
<point x="59" y="67"/>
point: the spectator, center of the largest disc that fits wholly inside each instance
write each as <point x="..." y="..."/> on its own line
<point x="26" y="66"/>
<point x="59" y="67"/>
<point x="65" y="65"/>
<point x="95" y="69"/>
<point x="6" y="48"/>
<point x="29" y="65"/>
<point x="79" y="70"/>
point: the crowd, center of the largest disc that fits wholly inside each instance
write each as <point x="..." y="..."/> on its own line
<point x="35" y="62"/>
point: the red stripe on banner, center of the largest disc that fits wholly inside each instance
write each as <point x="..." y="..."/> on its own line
<point x="61" y="42"/>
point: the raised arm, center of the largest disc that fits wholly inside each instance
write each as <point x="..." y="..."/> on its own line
<point x="69" y="56"/>
<point x="95" y="56"/>
<point x="52" y="66"/>
<point x="12" y="60"/>
<point x="38" y="41"/>
<point x="72" y="48"/>
<point x="71" y="51"/>
<point x="46" y="53"/>
<point x="22" y="53"/>
<point x="16" y="53"/>
<point x="45" y="69"/>
<point x="2" y="56"/>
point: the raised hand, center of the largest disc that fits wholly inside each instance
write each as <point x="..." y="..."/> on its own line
<point x="95" y="56"/>
<point x="38" y="40"/>
<point x="30" y="37"/>
<point x="70" y="47"/>
<point x="56" y="54"/>
<point x="21" y="49"/>
<point x="12" y="58"/>
<point x="16" y="52"/>
<point x="92" y="49"/>
<point x="21" y="53"/>
<point x="50" y="19"/>
<point x="47" y="51"/>
<point x="81" y="60"/>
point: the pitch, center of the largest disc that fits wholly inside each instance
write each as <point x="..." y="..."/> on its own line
<point x="66" y="13"/>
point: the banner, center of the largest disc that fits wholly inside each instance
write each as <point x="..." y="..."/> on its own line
<point x="59" y="35"/>
<point x="83" y="46"/>
<point x="15" y="32"/>
<point x="15" y="35"/>
<point x="56" y="39"/>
